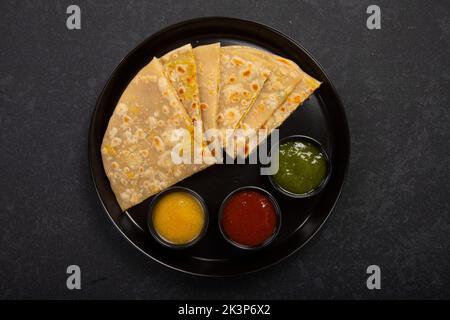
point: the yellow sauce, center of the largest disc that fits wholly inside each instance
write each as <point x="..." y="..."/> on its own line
<point x="178" y="218"/>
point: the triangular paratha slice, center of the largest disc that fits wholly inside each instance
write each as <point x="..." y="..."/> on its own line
<point x="284" y="76"/>
<point x="301" y="92"/>
<point x="287" y="85"/>
<point x="181" y="70"/>
<point x="145" y="127"/>
<point x="207" y="58"/>
<point x="242" y="78"/>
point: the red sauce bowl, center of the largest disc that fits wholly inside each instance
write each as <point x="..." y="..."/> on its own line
<point x="250" y="218"/>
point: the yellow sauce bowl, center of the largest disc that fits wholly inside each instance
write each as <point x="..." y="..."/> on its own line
<point x="178" y="217"/>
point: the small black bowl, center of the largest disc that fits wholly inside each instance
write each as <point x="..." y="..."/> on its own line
<point x="324" y="181"/>
<point x="155" y="234"/>
<point x="277" y="212"/>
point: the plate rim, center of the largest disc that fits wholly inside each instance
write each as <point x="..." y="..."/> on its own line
<point x="91" y="137"/>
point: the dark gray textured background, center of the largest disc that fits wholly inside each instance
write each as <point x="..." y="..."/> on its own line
<point x="394" y="210"/>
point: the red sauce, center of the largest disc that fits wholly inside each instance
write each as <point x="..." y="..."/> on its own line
<point x="249" y="218"/>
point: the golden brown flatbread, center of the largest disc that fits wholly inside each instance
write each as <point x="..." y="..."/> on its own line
<point x="287" y="87"/>
<point x="145" y="127"/>
<point x="301" y="92"/>
<point x="180" y="68"/>
<point x="284" y="76"/>
<point x="242" y="77"/>
<point x="207" y="58"/>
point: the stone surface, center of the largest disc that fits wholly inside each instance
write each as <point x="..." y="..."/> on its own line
<point x="394" y="211"/>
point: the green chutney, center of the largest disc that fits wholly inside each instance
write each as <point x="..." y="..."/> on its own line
<point x="302" y="167"/>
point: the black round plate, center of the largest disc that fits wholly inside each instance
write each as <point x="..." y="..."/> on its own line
<point x="321" y="117"/>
